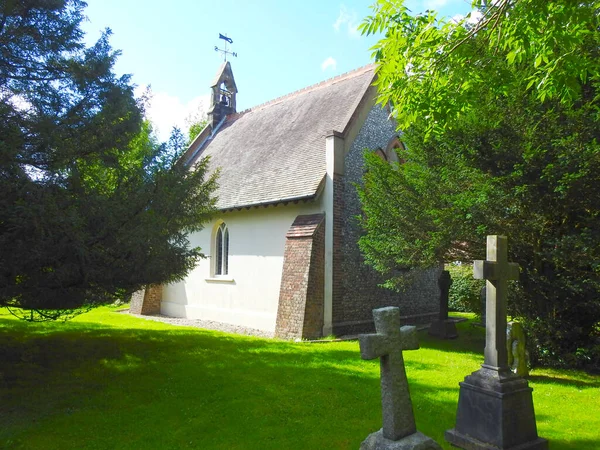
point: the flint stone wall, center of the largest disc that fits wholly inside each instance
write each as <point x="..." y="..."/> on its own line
<point x="352" y="311"/>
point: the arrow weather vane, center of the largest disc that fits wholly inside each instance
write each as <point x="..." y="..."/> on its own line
<point x="224" y="51"/>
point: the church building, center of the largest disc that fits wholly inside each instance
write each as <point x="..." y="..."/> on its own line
<point x="282" y="253"/>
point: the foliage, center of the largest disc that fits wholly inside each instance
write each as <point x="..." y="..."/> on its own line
<point x="195" y="129"/>
<point x="434" y="68"/>
<point x="92" y="206"/>
<point x="196" y="121"/>
<point x="493" y="156"/>
<point x="465" y="291"/>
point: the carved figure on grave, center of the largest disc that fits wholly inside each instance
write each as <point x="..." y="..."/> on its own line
<point x="516" y="346"/>
<point x="399" y="430"/>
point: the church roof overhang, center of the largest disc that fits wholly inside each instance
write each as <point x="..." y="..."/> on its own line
<point x="277" y="202"/>
<point x="275" y="153"/>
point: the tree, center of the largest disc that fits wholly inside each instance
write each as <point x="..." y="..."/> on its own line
<point x="92" y="206"/>
<point x="435" y="68"/>
<point x="496" y="146"/>
<point x="195" y="129"/>
<point x="196" y="122"/>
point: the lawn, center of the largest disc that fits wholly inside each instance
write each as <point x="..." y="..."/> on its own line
<point x="111" y="381"/>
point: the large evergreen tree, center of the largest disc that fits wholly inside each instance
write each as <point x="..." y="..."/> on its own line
<point x="501" y="123"/>
<point x="92" y="207"/>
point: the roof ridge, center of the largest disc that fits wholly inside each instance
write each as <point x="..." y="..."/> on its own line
<point x="328" y="81"/>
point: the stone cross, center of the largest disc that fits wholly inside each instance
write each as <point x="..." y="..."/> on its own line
<point x="444" y="283"/>
<point x="496" y="270"/>
<point x="387" y="344"/>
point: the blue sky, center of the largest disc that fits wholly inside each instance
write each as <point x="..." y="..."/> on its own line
<point x="282" y="46"/>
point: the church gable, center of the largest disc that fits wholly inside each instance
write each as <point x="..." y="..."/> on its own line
<point x="276" y="152"/>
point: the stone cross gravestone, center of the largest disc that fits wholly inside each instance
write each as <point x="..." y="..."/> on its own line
<point x="443" y="327"/>
<point x="495" y="406"/>
<point x="399" y="429"/>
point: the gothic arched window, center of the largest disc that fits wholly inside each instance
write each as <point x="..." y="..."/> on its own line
<point x="394" y="150"/>
<point x="222" y="250"/>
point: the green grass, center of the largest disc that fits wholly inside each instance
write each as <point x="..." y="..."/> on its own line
<point x="112" y="381"/>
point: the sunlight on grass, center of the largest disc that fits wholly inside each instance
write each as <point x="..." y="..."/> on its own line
<point x="107" y="380"/>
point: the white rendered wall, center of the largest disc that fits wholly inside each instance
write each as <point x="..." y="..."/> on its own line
<point x="249" y="294"/>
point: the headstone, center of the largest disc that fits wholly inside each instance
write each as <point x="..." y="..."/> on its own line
<point x="443" y="327"/>
<point x="399" y="431"/>
<point x="495" y="406"/>
<point x="516" y="346"/>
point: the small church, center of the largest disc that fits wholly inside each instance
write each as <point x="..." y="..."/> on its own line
<point x="282" y="253"/>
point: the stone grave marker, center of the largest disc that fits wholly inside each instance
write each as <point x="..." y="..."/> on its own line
<point x="516" y="346"/>
<point x="443" y="327"/>
<point x="399" y="431"/>
<point x="495" y="406"/>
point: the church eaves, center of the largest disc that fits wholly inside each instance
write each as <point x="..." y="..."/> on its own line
<point x="275" y="152"/>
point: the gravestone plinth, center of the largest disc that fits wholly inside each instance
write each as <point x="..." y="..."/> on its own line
<point x="399" y="431"/>
<point x="495" y="411"/>
<point x="443" y="327"/>
<point x="415" y="441"/>
<point x="495" y="406"/>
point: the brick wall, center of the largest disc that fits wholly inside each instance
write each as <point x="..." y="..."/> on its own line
<point x="300" y="310"/>
<point x="361" y="293"/>
<point x="146" y="301"/>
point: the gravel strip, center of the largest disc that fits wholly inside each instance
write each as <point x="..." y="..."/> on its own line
<point x="204" y="324"/>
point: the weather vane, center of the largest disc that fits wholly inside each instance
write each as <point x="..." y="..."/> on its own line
<point x="224" y="51"/>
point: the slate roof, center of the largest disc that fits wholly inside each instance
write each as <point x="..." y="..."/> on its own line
<point x="275" y="152"/>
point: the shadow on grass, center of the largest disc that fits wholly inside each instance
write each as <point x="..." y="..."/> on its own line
<point x="575" y="444"/>
<point x="182" y="388"/>
<point x="86" y="385"/>
<point x="470" y="340"/>
<point x="543" y="379"/>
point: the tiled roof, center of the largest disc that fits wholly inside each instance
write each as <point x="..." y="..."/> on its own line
<point x="276" y="151"/>
<point x="305" y="226"/>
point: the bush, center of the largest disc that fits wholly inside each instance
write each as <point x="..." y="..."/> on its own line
<point x="465" y="292"/>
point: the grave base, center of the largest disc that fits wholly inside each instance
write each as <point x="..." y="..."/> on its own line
<point x="445" y="329"/>
<point x="415" y="441"/>
<point x="495" y="411"/>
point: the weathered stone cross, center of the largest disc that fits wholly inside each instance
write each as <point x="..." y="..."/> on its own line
<point x="497" y="271"/>
<point x="387" y="344"/>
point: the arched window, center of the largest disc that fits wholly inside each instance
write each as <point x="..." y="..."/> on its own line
<point x="381" y="154"/>
<point x="394" y="150"/>
<point x="222" y="250"/>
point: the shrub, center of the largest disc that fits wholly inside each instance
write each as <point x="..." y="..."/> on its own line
<point x="465" y="290"/>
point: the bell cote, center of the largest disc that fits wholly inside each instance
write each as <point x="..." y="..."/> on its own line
<point x="223" y="92"/>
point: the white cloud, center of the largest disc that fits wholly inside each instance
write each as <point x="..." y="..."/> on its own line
<point x="329" y="62"/>
<point x="473" y="18"/>
<point x="166" y="111"/>
<point x="349" y="19"/>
